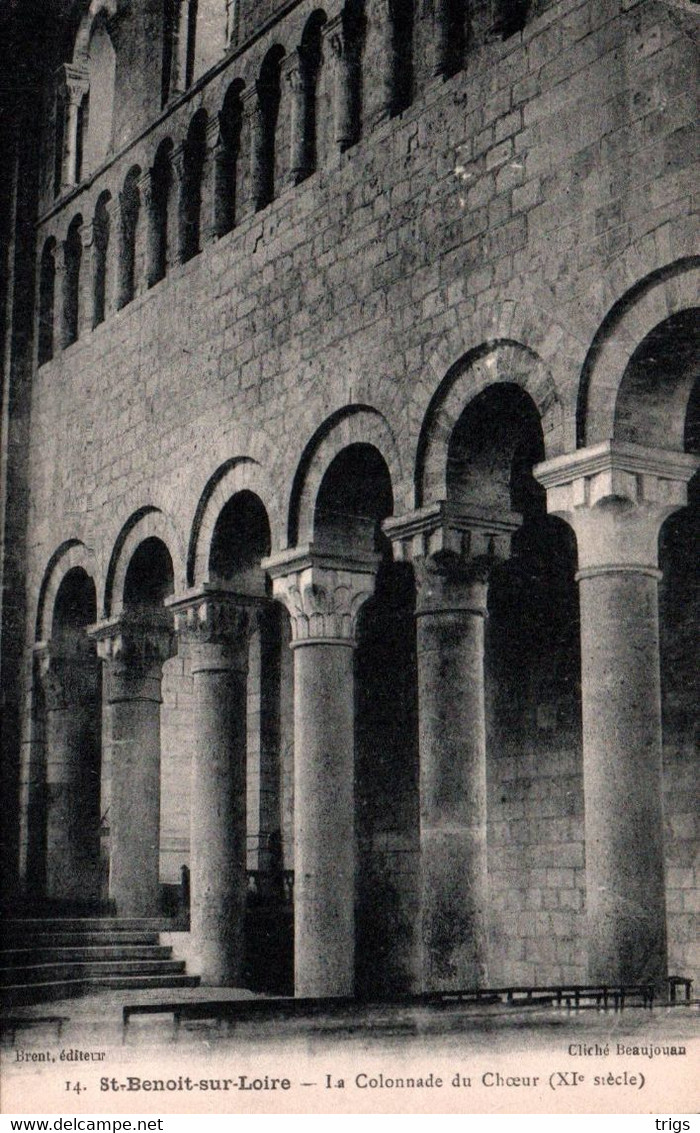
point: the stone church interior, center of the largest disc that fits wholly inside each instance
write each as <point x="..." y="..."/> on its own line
<point x="350" y="499"/>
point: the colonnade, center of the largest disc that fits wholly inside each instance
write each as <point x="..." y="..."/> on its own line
<point x="615" y="496"/>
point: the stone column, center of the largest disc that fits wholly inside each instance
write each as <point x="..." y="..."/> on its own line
<point x="217" y="625"/>
<point x="176" y="231"/>
<point x="88" y="268"/>
<point x="217" y="199"/>
<point x="616" y="496"/>
<point x="77" y="84"/>
<point x="133" y="649"/>
<point x="60" y="332"/>
<point x="148" y="234"/>
<point x="382" y="52"/>
<point x="323" y="594"/>
<point x="294" y="75"/>
<point x="70" y="686"/>
<point x="116" y="290"/>
<point x="253" y="117"/>
<point x="345" y="125"/>
<point x="452" y="553"/>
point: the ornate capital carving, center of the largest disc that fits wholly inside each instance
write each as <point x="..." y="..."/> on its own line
<point x="75" y="82"/>
<point x="145" y="187"/>
<point x="87" y="234"/>
<point x="334" y="35"/>
<point x="134" y="648"/>
<point x="178" y="161"/>
<point x="453" y="553"/>
<point x="214" y="137"/>
<point x="250" y="105"/>
<point x="217" y="624"/>
<point x="323" y="593"/>
<point x="294" y="72"/>
<point x="615" y="496"/>
<point x="68" y="676"/>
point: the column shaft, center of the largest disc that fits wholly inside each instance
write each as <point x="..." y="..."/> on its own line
<point x="73" y="801"/>
<point x="134" y="882"/>
<point x="324" y="840"/>
<point x="218" y="866"/>
<point x="452" y="740"/>
<point x="621" y="708"/>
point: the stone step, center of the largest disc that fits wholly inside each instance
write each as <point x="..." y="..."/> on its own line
<point x="48" y="973"/>
<point x="36" y="954"/>
<point x="36" y="939"/>
<point x="16" y="995"/>
<point x="87" y="924"/>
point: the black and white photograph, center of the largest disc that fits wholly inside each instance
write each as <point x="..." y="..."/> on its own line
<point x="350" y="525"/>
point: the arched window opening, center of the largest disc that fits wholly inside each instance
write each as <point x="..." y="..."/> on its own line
<point x="311" y="58"/>
<point x="191" y="198"/>
<point x="47" y="284"/>
<point x="59" y="142"/>
<point x="191" y="7"/>
<point x="150" y="577"/>
<point x="354" y="496"/>
<point x="130" y="209"/>
<point x="161" y="188"/>
<point x="240" y="540"/>
<point x="179" y="46"/>
<point x="81" y="136"/>
<point x="349" y="118"/>
<point x="101" y="247"/>
<point x="168" y="46"/>
<point x="269" y="94"/>
<point x="226" y="174"/>
<point x="72" y="722"/>
<point x="73" y="252"/>
<point x="450" y="19"/>
<point x="401" y="62"/>
<point x="509" y="17"/>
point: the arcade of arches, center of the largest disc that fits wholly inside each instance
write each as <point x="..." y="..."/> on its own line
<point x="438" y="740"/>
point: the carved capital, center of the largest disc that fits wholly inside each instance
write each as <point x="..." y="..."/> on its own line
<point x="134" y="648"/>
<point x="294" y="72"/>
<point x="217" y="624"/>
<point x="334" y="35"/>
<point x="250" y="105"/>
<point x="323" y="593"/>
<point x="214" y="137"/>
<point x="178" y="161"/>
<point x="74" y="82"/>
<point x="453" y="553"/>
<point x="87" y="234"/>
<point x="615" y="496"/>
<point x="145" y="187"/>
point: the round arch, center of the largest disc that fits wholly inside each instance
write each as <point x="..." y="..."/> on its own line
<point x="237" y="475"/>
<point x="71" y="554"/>
<point x="82" y="39"/>
<point x="355" y="424"/>
<point x="643" y="307"/>
<point x="148" y="523"/>
<point x="487" y="365"/>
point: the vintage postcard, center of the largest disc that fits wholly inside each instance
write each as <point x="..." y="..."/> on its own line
<point x="349" y="572"/>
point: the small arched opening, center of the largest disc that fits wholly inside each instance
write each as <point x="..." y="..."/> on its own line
<point x="73" y="252"/>
<point x="354" y="497"/>
<point x="72" y="701"/>
<point x="47" y="291"/>
<point x="269" y="96"/>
